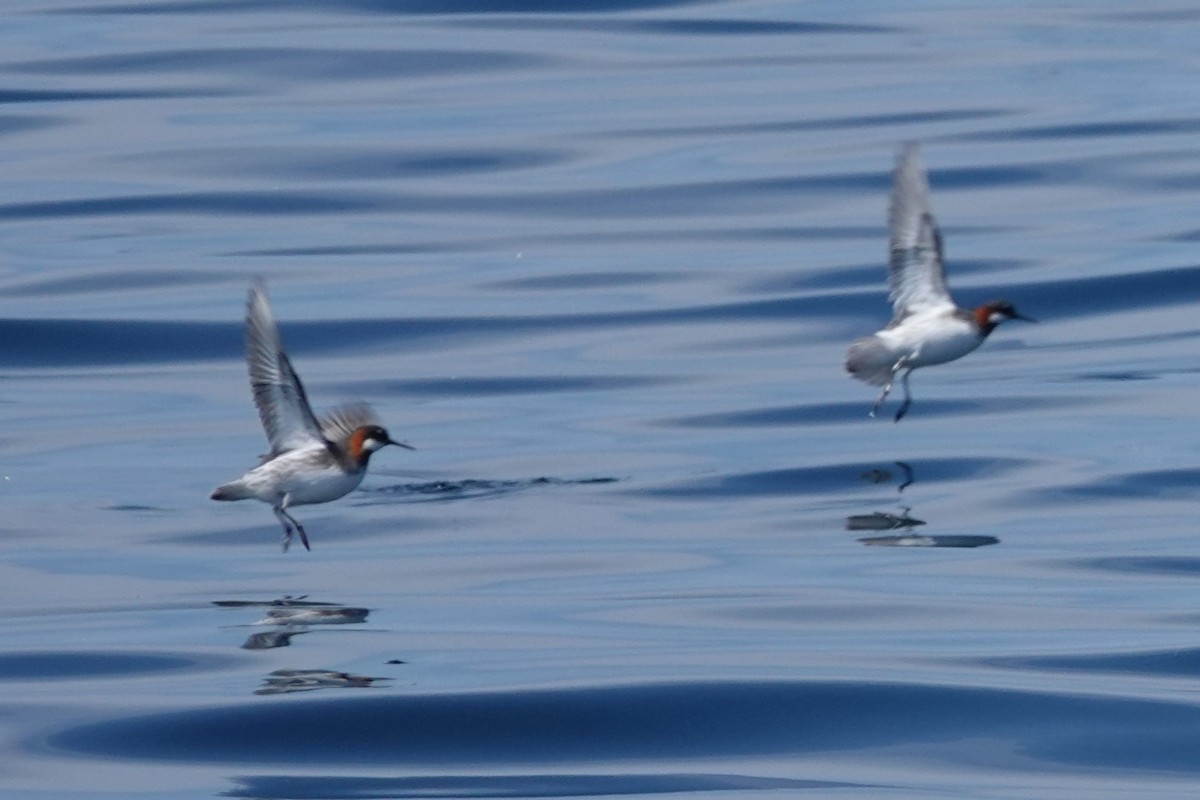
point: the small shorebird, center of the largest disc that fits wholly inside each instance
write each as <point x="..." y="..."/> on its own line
<point x="311" y="460"/>
<point x="928" y="328"/>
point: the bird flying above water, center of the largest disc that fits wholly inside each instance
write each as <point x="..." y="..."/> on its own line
<point x="311" y="460"/>
<point x="928" y="328"/>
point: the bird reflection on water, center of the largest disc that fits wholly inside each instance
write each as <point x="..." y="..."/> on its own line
<point x="904" y="522"/>
<point x="291" y="616"/>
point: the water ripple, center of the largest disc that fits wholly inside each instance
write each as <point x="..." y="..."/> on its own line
<point x="58" y="342"/>
<point x="409" y="7"/>
<point x="447" y="490"/>
<point x="363" y="164"/>
<point x="1174" y="662"/>
<point x="51" y="665"/>
<point x="287" y="787"/>
<point x="659" y="721"/>
<point x="287" y="63"/>
<point x="215" y="203"/>
<point x="827" y="478"/>
<point x="511" y="385"/>
<point x="1179" y="484"/>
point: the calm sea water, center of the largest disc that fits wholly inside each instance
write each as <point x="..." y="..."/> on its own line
<point x="599" y="262"/>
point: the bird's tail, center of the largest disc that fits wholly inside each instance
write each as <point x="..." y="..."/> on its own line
<point x="231" y="491"/>
<point x="870" y="361"/>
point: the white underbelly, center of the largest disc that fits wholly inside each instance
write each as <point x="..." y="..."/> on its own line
<point x="320" y="487"/>
<point x="302" y="484"/>
<point x="924" y="346"/>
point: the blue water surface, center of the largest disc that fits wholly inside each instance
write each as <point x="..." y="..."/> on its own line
<point x="599" y="262"/>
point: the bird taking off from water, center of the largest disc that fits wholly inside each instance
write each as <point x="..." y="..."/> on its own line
<point x="928" y="328"/>
<point x="311" y="460"/>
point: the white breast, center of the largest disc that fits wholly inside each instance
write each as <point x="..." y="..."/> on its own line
<point x="932" y="339"/>
<point x="320" y="486"/>
<point x="306" y="476"/>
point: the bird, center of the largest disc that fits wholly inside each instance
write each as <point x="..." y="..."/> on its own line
<point x="927" y="328"/>
<point x="311" y="460"/>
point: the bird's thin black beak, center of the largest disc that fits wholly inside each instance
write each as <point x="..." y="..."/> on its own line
<point x="401" y="444"/>
<point x="1023" y="317"/>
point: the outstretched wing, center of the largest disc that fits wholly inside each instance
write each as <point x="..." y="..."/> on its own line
<point x="343" y="420"/>
<point x="916" y="273"/>
<point x="282" y="405"/>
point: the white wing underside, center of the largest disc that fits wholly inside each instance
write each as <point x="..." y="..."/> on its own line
<point x="916" y="273"/>
<point x="282" y="405"/>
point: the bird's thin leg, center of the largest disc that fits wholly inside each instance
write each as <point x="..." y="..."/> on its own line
<point x="899" y="365"/>
<point x="303" y="535"/>
<point x="907" y="397"/>
<point x="291" y="523"/>
<point x="883" y="396"/>
<point x="287" y="521"/>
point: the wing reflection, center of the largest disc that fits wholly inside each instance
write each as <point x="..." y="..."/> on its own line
<point x="882" y="521"/>
<point x="918" y="540"/>
<point x="285" y="681"/>
<point x="338" y="615"/>
<point x="290" y="616"/>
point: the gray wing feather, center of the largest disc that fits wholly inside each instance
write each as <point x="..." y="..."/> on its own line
<point x="343" y="420"/>
<point x="278" y="393"/>
<point x="916" y="271"/>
